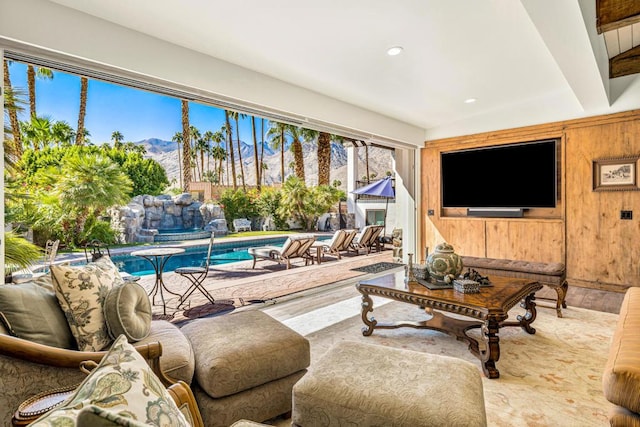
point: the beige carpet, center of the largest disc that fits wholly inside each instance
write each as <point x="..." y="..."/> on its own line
<point x="552" y="378"/>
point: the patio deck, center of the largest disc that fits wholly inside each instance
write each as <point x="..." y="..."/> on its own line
<point x="238" y="284"/>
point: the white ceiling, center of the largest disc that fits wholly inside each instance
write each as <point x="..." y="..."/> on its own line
<point x="525" y="61"/>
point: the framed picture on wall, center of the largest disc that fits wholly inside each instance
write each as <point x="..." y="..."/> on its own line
<point x="616" y="174"/>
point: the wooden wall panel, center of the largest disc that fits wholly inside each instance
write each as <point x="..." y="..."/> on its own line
<point x="466" y="235"/>
<point x="585" y="232"/>
<point x="531" y="240"/>
<point x="602" y="248"/>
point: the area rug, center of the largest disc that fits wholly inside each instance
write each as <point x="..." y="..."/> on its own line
<point x="209" y="309"/>
<point x="181" y="316"/>
<point x="378" y="267"/>
<point x="551" y="378"/>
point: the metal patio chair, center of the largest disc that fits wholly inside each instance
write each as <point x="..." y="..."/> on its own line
<point x="95" y="249"/>
<point x="48" y="257"/>
<point x="196" y="276"/>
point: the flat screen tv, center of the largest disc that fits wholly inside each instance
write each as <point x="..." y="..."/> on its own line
<point x="513" y="176"/>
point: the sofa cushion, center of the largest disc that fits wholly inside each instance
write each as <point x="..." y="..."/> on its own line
<point x="238" y="351"/>
<point x="31" y="312"/>
<point x="95" y="416"/>
<point x="122" y="386"/>
<point x="81" y="291"/>
<point x="127" y="311"/>
<point x="177" y="361"/>
<point x="356" y="383"/>
<point x="621" y="377"/>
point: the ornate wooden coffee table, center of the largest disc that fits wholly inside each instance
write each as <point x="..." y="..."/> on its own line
<point x="490" y="307"/>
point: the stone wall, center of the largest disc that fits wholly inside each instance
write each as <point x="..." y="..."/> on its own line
<point x="140" y="220"/>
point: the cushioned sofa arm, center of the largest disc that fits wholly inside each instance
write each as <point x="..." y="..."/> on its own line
<point x="63" y="358"/>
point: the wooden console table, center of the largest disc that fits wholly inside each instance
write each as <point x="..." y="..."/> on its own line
<point x="489" y="308"/>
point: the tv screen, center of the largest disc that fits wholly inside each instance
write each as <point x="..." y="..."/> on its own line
<point x="519" y="176"/>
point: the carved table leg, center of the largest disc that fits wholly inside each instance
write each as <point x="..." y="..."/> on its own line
<point x="529" y="316"/>
<point x="491" y="354"/>
<point x="367" y="307"/>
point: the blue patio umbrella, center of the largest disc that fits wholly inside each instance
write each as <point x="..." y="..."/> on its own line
<point x="380" y="188"/>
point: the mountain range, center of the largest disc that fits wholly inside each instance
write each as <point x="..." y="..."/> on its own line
<point x="380" y="161"/>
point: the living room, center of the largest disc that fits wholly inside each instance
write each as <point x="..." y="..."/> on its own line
<point x="595" y="120"/>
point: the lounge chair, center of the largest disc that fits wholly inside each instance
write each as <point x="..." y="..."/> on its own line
<point x="294" y="247"/>
<point x="367" y="239"/>
<point x="340" y="242"/>
<point x="348" y="240"/>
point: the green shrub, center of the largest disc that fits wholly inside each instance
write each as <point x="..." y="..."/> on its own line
<point x="237" y="204"/>
<point x="269" y="202"/>
<point x="96" y="229"/>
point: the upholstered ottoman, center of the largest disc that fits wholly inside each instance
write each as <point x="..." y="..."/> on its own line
<point x="246" y="365"/>
<point x="371" y="385"/>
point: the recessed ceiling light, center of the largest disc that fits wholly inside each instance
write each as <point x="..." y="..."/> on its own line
<point x="470" y="100"/>
<point x="395" y="50"/>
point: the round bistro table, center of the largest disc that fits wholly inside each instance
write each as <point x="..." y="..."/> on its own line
<point x="158" y="258"/>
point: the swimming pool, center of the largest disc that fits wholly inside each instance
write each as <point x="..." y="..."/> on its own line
<point x="221" y="253"/>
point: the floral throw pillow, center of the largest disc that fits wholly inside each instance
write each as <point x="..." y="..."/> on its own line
<point x="81" y="292"/>
<point x="121" y="390"/>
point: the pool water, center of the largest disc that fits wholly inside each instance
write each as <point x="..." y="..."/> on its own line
<point x="221" y="253"/>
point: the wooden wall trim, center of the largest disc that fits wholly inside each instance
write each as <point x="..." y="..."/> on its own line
<point x="609" y="287"/>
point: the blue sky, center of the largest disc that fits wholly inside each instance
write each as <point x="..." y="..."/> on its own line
<point x="136" y="114"/>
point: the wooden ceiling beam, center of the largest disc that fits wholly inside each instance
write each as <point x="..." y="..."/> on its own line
<point x="625" y="63"/>
<point x="614" y="14"/>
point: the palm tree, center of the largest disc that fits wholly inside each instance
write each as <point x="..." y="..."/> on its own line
<point x="186" y="147"/>
<point x="117" y="139"/>
<point x="130" y="147"/>
<point x="37" y="132"/>
<point x="366" y="160"/>
<point x="276" y="135"/>
<point x="262" y="168"/>
<point x="88" y="185"/>
<point x="324" y="158"/>
<point x="195" y="137"/>
<point x="13" y="108"/>
<point x="218" y="153"/>
<point x="208" y="138"/>
<point x="63" y="133"/>
<point x="237" y="116"/>
<point x="32" y="73"/>
<point x="256" y="159"/>
<point x="177" y="138"/>
<point x="296" y="134"/>
<point x="80" y="132"/>
<point x="227" y="129"/>
<point x="195" y="169"/>
<point x="19" y="253"/>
